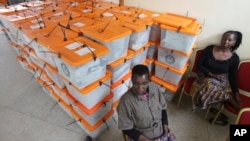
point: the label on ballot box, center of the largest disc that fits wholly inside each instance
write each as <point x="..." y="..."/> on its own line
<point x="239" y="132"/>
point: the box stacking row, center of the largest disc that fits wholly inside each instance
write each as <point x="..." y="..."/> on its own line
<point x="176" y="43"/>
<point x="82" y="53"/>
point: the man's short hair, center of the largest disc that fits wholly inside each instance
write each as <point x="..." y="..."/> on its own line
<point x="140" y="70"/>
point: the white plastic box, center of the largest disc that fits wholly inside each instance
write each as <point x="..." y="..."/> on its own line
<point x="139" y="39"/>
<point x="34" y="59"/>
<point x="150" y="64"/>
<point x="121" y="87"/>
<point x="139" y="56"/>
<point x="42" y="52"/>
<point x="23" y="62"/>
<point x="93" y="93"/>
<point x="118" y="48"/>
<point x="169" y="91"/>
<point x="140" y="23"/>
<point x="81" y="61"/>
<point x="114" y="37"/>
<point x="66" y="107"/>
<point x="16" y="47"/>
<point x="54" y="75"/>
<point x="155" y="33"/>
<point x="152" y="50"/>
<point x="120" y="67"/>
<point x="97" y="113"/>
<point x="179" y="39"/>
<point x="168" y="73"/>
<point x="61" y="92"/>
<point x="173" y="58"/>
<point x="41" y="73"/>
<point x="25" y="55"/>
<point x="42" y="40"/>
<point x="46" y="88"/>
<point x="96" y="130"/>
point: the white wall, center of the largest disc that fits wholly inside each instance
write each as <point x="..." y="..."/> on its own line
<point x="219" y="16"/>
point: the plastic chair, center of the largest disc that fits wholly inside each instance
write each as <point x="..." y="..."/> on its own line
<point x="124" y="137"/>
<point x="243" y="84"/>
<point x="192" y="76"/>
<point x="242" y="118"/>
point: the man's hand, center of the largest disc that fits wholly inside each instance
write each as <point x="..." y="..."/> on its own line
<point x="143" y="138"/>
<point x="165" y="130"/>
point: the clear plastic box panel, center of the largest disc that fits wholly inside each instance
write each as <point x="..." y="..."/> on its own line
<point x="66" y="108"/>
<point x="106" y="124"/>
<point x="28" y="40"/>
<point x="46" y="91"/>
<point x="117" y="48"/>
<point x="28" y="59"/>
<point x="139" y="58"/>
<point x="177" y="41"/>
<point x="45" y="54"/>
<point x="121" y="89"/>
<point x="15" y="37"/>
<point x="152" y="51"/>
<point x="36" y="61"/>
<point x="82" y="75"/>
<point x="16" y="48"/>
<point x="150" y="67"/>
<point x="139" y="39"/>
<point x="171" y="59"/>
<point x="169" y="96"/>
<point x="42" y="75"/>
<point x="167" y="75"/>
<point x="62" y="94"/>
<point x="23" y="62"/>
<point x="120" y="70"/>
<point x="93" y="97"/>
<point x="6" y="21"/>
<point x="97" y="115"/>
<point x="155" y="33"/>
<point x="55" y="77"/>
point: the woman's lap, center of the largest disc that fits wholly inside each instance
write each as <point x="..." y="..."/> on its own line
<point x="208" y="91"/>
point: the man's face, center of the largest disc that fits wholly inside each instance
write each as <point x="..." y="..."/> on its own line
<point x="140" y="84"/>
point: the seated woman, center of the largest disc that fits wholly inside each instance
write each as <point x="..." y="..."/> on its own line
<point x="218" y="66"/>
<point x="142" y="114"/>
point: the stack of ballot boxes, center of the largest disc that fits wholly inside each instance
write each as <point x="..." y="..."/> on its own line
<point x="82" y="53"/>
<point x="178" y="36"/>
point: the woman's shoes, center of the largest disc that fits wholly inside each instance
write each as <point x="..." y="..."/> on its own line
<point x="215" y="111"/>
<point x="194" y="108"/>
<point x="219" y="121"/>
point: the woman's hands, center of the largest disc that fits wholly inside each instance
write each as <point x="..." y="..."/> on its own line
<point x="235" y="101"/>
<point x="216" y="76"/>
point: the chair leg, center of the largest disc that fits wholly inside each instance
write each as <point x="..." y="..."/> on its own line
<point x="180" y="97"/>
<point x="208" y="110"/>
<point x="124" y="137"/>
<point x="217" y="115"/>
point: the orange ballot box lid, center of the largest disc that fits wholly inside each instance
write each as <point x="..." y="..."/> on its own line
<point x="106" y="32"/>
<point x="136" y="24"/>
<point x="52" y="35"/>
<point x="76" y="52"/>
<point x="78" y="24"/>
<point x="174" y="20"/>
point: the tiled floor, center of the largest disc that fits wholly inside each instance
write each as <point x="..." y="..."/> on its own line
<point x="26" y="112"/>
